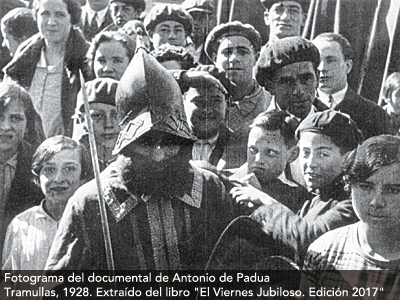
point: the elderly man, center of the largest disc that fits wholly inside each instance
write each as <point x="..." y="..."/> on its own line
<point x="336" y="62"/>
<point x="123" y="11"/>
<point x="95" y="17"/>
<point x="163" y="213"/>
<point x="168" y="24"/>
<point x="234" y="48"/>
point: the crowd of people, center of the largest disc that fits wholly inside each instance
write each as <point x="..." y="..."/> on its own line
<point x="200" y="130"/>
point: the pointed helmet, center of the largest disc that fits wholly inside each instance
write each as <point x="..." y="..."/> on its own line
<point x="148" y="98"/>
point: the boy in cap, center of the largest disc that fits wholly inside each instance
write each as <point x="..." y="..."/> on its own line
<point x="168" y="24"/>
<point x="234" y="48"/>
<point x="324" y="140"/>
<point x="101" y="98"/>
<point x="162" y="213"/>
<point x="202" y="12"/>
<point x="123" y="11"/>
<point x="284" y="18"/>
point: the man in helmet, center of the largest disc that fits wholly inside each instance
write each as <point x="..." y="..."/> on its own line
<point x="163" y="213"/>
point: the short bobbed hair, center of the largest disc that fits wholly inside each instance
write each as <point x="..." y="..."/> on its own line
<point x="109" y="36"/>
<point x="370" y="156"/>
<point x="278" y="120"/>
<point x="54" y="145"/>
<point x="73" y="7"/>
<point x="20" y="23"/>
<point x="11" y="91"/>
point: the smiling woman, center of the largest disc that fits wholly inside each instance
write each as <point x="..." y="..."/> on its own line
<point x="60" y="166"/>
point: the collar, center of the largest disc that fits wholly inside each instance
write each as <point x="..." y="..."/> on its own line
<point x="41" y="212"/>
<point x="249" y="102"/>
<point x="211" y="141"/>
<point x="120" y="210"/>
<point x="101" y="14"/>
<point x="286" y="181"/>
<point x="12" y="161"/>
<point x="337" y="97"/>
<point x="391" y="112"/>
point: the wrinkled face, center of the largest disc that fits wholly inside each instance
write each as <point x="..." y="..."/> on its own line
<point x="60" y="176"/>
<point x="98" y="5"/>
<point x="237" y="57"/>
<point x="333" y="68"/>
<point x="285" y="19"/>
<point x="205" y="110"/>
<point x="154" y="151"/>
<point x="111" y="60"/>
<point x="9" y="41"/>
<point x="12" y="127"/>
<point x="168" y="32"/>
<point x="54" y="21"/>
<point x="320" y="159"/>
<point x="376" y="200"/>
<point x="294" y="88"/>
<point x="105" y="124"/>
<point x="122" y="13"/>
<point x="200" y="26"/>
<point x="267" y="154"/>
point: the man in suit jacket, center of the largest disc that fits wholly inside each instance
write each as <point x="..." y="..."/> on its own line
<point x="95" y="17"/>
<point x="336" y="62"/>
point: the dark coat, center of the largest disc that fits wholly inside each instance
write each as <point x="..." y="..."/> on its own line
<point x="87" y="31"/>
<point x="23" y="193"/>
<point x="370" y="118"/>
<point x="23" y="66"/>
<point x="168" y="229"/>
<point x="295" y="232"/>
<point x="219" y="148"/>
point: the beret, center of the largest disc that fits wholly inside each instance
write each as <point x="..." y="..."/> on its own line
<point x="338" y="126"/>
<point x="284" y="52"/>
<point x="168" y="12"/>
<point x="205" y="6"/>
<point x="231" y="29"/>
<point x="268" y="3"/>
<point x="100" y="90"/>
<point x="140" y="4"/>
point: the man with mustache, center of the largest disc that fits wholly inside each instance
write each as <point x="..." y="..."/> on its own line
<point x="234" y="48"/>
<point x="163" y="213"/>
<point x="336" y="63"/>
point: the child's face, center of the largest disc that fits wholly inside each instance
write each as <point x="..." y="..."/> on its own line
<point x="105" y="124"/>
<point x="12" y="126"/>
<point x="395" y="100"/>
<point x="376" y="200"/>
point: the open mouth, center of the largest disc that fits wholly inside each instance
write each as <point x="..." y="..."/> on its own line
<point x="109" y="136"/>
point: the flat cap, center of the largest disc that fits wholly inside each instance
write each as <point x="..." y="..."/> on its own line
<point x="231" y="29"/>
<point x="100" y="90"/>
<point x="338" y="126"/>
<point x="205" y="6"/>
<point x="304" y="3"/>
<point x="140" y="4"/>
<point x="284" y="52"/>
<point x="168" y="12"/>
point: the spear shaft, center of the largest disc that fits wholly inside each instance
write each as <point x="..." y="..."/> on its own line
<point x="96" y="168"/>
